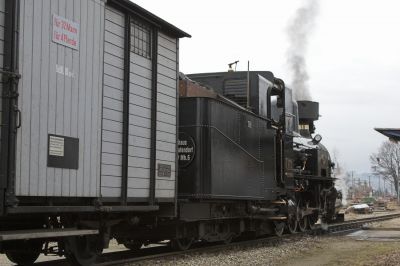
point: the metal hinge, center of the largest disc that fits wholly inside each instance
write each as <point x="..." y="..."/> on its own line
<point x="11" y="75"/>
<point x="11" y="199"/>
<point x="11" y="95"/>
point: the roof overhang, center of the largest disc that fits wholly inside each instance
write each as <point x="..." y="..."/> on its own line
<point x="149" y="17"/>
<point x="391" y="133"/>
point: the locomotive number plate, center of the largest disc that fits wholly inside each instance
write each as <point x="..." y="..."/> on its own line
<point x="186" y="149"/>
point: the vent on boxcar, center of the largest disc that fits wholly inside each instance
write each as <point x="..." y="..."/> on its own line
<point x="140" y="39"/>
<point x="236" y="90"/>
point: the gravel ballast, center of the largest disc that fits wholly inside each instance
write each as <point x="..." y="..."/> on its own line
<point x="261" y="254"/>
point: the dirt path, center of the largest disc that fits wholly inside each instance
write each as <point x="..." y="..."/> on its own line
<point x="346" y="251"/>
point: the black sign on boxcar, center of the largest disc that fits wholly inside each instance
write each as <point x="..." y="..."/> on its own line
<point x="186" y="149"/>
<point x="63" y="152"/>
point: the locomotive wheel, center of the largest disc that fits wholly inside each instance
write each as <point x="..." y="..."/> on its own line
<point x="303" y="224"/>
<point x="133" y="245"/>
<point x="26" y="253"/>
<point x="228" y="239"/>
<point x="181" y="244"/>
<point x="312" y="220"/>
<point x="83" y="250"/>
<point x="279" y="227"/>
<point x="291" y="224"/>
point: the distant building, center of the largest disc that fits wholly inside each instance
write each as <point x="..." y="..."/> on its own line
<point x="391" y="133"/>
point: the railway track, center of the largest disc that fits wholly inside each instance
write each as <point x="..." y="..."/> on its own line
<point x="158" y="252"/>
<point x="357" y="224"/>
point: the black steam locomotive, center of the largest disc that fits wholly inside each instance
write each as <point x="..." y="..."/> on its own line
<point x="248" y="162"/>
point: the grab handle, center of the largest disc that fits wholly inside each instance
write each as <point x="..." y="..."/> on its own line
<point x="18" y="113"/>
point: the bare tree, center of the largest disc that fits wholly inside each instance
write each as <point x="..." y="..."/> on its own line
<point x="386" y="163"/>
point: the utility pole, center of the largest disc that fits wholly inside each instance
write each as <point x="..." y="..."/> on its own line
<point x="398" y="194"/>
<point x="379" y="186"/>
<point x="391" y="189"/>
<point x="352" y="185"/>
<point x="369" y="186"/>
<point x="379" y="176"/>
<point x="384" y="188"/>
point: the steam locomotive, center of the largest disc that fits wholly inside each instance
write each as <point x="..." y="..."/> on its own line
<point x="248" y="159"/>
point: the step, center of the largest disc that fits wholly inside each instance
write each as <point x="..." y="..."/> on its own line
<point x="45" y="233"/>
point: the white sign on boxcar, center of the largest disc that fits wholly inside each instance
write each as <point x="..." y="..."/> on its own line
<point x="65" y="32"/>
<point x="56" y="146"/>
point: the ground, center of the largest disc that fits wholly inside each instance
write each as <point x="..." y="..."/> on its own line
<point x="310" y="251"/>
<point x="346" y="251"/>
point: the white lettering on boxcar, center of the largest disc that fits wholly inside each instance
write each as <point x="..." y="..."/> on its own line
<point x="65" y="71"/>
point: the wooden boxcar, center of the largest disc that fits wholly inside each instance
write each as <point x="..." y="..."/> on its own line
<point x="88" y="117"/>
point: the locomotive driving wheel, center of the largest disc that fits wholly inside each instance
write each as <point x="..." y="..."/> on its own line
<point x="133" y="245"/>
<point x="312" y="220"/>
<point x="291" y="224"/>
<point x="303" y="224"/>
<point x="228" y="238"/>
<point x="279" y="227"/>
<point x="182" y="244"/>
<point x="83" y="250"/>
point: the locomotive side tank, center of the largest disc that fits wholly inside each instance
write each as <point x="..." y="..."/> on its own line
<point x="234" y="152"/>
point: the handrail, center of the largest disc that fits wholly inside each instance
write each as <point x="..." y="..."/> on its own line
<point x="231" y="140"/>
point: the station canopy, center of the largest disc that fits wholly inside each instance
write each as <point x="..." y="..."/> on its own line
<point x="391" y="133"/>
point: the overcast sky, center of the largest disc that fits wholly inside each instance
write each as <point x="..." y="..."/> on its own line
<point x="353" y="58"/>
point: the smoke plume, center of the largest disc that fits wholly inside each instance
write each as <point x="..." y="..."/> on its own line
<point x="341" y="185"/>
<point x="299" y="30"/>
<point x="342" y="181"/>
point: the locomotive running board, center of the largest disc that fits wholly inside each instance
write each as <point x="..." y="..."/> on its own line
<point x="74" y="209"/>
<point x="314" y="177"/>
<point x="277" y="218"/>
<point x="271" y="218"/>
<point x="44" y="233"/>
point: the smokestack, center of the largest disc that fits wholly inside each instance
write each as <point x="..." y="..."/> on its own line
<point x="299" y="30"/>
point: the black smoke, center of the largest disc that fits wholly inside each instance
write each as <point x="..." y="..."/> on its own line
<point x="299" y="30"/>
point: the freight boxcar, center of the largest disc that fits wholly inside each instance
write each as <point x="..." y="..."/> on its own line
<point x="88" y="123"/>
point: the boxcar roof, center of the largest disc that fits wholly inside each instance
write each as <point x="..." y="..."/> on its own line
<point x="150" y="17"/>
